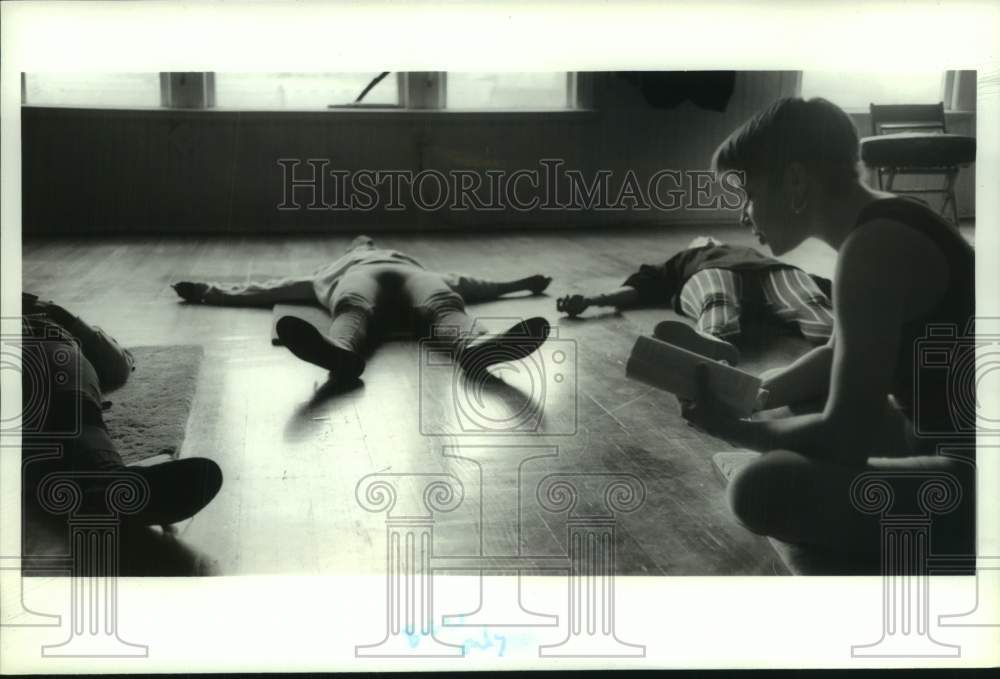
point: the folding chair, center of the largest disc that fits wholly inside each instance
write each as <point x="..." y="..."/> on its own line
<point x="913" y="139"/>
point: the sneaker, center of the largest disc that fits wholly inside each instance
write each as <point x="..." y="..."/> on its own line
<point x="178" y="489"/>
<point x="174" y="490"/>
<point x="687" y="337"/>
<point x="306" y="341"/>
<point x="519" y="341"/>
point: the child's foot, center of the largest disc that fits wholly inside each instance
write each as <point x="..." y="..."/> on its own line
<point x="687" y="337"/>
<point x="537" y="283"/>
<point x="171" y="491"/>
<point x="306" y="341"/>
<point x="192" y="293"/>
<point x="572" y="305"/>
<point x="514" y="344"/>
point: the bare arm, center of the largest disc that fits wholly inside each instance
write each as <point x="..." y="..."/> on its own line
<point x="265" y="293"/>
<point x="474" y="289"/>
<point x="871" y="308"/>
<point x="625" y="297"/>
<point x="804" y="379"/>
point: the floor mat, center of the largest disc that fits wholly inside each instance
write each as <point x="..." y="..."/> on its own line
<point x="148" y="416"/>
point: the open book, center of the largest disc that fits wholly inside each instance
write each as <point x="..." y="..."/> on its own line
<point x="671" y="368"/>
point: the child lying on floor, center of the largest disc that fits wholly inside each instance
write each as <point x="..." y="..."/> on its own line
<point x="715" y="283"/>
<point x="367" y="280"/>
<point x="74" y="364"/>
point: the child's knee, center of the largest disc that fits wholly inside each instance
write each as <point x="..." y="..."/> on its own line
<point x="114" y="373"/>
<point x="757" y="493"/>
<point x="720" y="318"/>
<point x="745" y="493"/>
<point x="355" y="302"/>
<point x="439" y="303"/>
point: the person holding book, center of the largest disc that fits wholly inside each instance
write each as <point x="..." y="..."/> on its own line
<point x="903" y="275"/>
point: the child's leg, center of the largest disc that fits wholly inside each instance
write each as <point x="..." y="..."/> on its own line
<point x="712" y="296"/>
<point x="353" y="307"/>
<point x="791" y="497"/>
<point x="73" y="425"/>
<point x="794" y="297"/>
<point x="342" y="349"/>
<point x="438" y="308"/>
<point x="72" y="404"/>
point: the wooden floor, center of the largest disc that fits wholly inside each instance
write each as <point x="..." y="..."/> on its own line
<point x="293" y="455"/>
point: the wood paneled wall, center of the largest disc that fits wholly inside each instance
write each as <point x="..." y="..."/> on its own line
<point x="174" y="171"/>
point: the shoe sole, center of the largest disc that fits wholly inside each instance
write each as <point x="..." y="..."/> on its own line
<point x="684" y="336"/>
<point x="200" y="479"/>
<point x="306" y="342"/>
<point x="516" y="343"/>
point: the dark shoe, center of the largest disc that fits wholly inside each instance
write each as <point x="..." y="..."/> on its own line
<point x="686" y="337"/>
<point x="178" y="490"/>
<point x="161" y="495"/>
<point x="514" y="344"/>
<point x="306" y="341"/>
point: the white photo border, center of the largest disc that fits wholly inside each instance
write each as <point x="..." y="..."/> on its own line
<point x="280" y="623"/>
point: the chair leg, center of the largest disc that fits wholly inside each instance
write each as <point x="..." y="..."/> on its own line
<point x="892" y="178"/>
<point x="950" y="196"/>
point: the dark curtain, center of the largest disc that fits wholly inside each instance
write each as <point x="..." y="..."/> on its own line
<point x="667" y="89"/>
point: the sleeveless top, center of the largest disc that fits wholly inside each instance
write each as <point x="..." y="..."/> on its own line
<point x="934" y="377"/>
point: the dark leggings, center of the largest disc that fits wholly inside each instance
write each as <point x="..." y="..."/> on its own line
<point x="414" y="296"/>
<point x="62" y="421"/>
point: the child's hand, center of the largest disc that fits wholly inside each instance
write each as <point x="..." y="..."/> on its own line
<point x="763" y="395"/>
<point x="190" y="292"/>
<point x="538" y="283"/>
<point x="572" y="305"/>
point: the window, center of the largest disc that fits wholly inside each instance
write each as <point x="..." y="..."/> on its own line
<point x="302" y="90"/>
<point x="507" y="90"/>
<point x="140" y="90"/>
<point x="858" y="90"/>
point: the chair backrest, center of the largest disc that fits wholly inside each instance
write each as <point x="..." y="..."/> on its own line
<point x="889" y="118"/>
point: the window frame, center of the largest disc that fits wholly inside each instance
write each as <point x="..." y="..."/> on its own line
<point x="419" y="92"/>
<point x="958" y="92"/>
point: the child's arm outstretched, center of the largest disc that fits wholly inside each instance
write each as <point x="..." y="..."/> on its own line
<point x="266" y="293"/>
<point x="474" y="289"/>
<point x="624" y="297"/>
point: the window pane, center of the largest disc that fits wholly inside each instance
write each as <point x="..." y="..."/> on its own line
<point x="301" y="90"/>
<point x="92" y="89"/>
<point x="858" y="90"/>
<point x="506" y="90"/>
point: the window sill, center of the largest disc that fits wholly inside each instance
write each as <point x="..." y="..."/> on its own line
<point x="360" y="111"/>
<point x="859" y="111"/>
